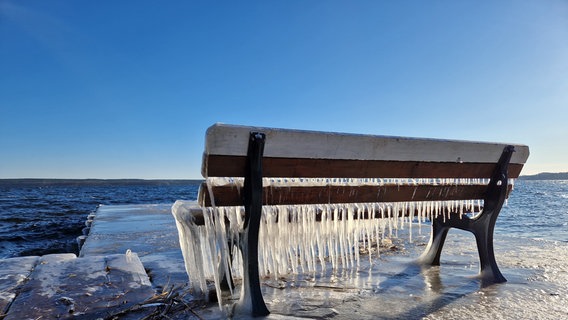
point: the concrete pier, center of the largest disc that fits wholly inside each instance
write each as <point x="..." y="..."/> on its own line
<point x="148" y="230"/>
<point x="130" y="254"/>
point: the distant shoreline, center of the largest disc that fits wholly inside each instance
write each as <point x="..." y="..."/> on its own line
<point x="174" y="182"/>
<point x="97" y="182"/>
<point x="546" y="176"/>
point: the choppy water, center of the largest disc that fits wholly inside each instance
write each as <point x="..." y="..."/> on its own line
<point x="537" y="209"/>
<point x="38" y="218"/>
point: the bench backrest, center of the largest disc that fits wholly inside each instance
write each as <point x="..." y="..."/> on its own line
<point x="321" y="167"/>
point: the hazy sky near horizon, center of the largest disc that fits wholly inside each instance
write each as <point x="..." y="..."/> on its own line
<point x="126" y="89"/>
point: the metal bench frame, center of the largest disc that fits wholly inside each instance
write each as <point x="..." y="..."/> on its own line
<point x="482" y="225"/>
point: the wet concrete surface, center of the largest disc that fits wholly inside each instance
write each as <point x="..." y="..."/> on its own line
<point x="148" y="230"/>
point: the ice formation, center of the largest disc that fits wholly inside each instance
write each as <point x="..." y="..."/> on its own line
<point x="302" y="238"/>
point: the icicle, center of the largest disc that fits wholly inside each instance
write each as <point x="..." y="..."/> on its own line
<point x="410" y="220"/>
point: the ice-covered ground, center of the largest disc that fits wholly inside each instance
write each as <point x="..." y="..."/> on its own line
<point x="392" y="287"/>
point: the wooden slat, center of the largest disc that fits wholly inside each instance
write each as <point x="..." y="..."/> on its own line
<point x="234" y="166"/>
<point x="199" y="220"/>
<point x="223" y="139"/>
<point x="230" y="195"/>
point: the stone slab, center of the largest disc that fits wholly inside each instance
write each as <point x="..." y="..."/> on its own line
<point x="13" y="273"/>
<point x="62" y="286"/>
<point x="149" y="230"/>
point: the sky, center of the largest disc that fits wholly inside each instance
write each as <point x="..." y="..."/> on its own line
<point x="126" y="89"/>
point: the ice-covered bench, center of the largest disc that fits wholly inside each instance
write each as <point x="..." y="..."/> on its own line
<point x="317" y="198"/>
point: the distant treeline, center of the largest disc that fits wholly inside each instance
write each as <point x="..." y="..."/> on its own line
<point x="547" y="176"/>
<point x="94" y="182"/>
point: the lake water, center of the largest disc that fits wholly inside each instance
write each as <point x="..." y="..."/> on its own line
<point x="42" y="218"/>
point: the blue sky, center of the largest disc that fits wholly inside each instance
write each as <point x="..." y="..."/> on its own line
<point x="126" y="89"/>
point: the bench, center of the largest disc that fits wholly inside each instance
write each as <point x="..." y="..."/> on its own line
<point x="333" y="188"/>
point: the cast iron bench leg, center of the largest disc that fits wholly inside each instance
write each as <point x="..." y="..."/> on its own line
<point x="252" y="201"/>
<point x="481" y="226"/>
